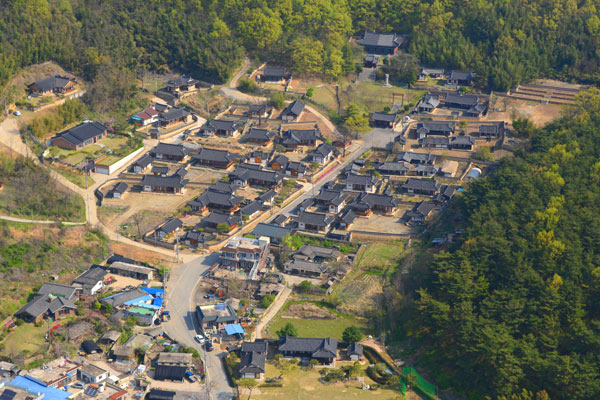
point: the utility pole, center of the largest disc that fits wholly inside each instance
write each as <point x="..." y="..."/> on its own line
<point x="177" y="245"/>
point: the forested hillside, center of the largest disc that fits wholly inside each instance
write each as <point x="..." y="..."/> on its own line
<point x="506" y="42"/>
<point x="516" y="303"/>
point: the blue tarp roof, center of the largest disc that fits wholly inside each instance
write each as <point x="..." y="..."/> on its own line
<point x="234" y="329"/>
<point x="49" y="392"/>
<point x="154" y="291"/>
<point x="157" y="302"/>
<point x="131" y="302"/>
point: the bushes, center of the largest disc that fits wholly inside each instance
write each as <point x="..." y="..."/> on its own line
<point x="267" y="300"/>
<point x="277" y="100"/>
<point x="247" y="86"/>
<point x="67" y="113"/>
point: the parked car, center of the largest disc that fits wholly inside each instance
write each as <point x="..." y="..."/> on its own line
<point x="209" y="346"/>
<point x="200" y="339"/>
<point x="17" y="113"/>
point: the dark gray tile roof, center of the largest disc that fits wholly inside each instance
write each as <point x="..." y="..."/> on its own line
<point x="218" y="124"/>
<point x="308" y="266"/>
<point x="252" y="362"/>
<point x="207" y="154"/>
<point x="182" y="80"/>
<point x="421" y="184"/>
<point x="174" y="181"/>
<point x="377" y="200"/>
<point x="463" y="100"/>
<point x="280" y="219"/>
<point x="393" y="167"/>
<point x="170" y="149"/>
<point x="355" y="179"/>
<point x="323" y="150"/>
<point x="82" y="132"/>
<point x="317" y="219"/>
<point x="380" y="39"/>
<point x="251" y="208"/>
<point x="171" y="225"/>
<point x="91" y="276"/>
<point x="384" y="117"/>
<point x="437" y="126"/>
<point x="57" y="289"/>
<point x="462" y="75"/>
<point x="355" y="349"/>
<point x="258" y="346"/>
<point x="271" y="231"/>
<point x="267" y="196"/>
<point x="52" y="82"/>
<point x="173" y="114"/>
<point x="294" y="108"/>
<point x="436" y="141"/>
<point x="463" y="140"/>
<point x="276" y="72"/>
<point x="210" y="197"/>
<point x="160" y="169"/>
<point x="260" y="134"/>
<point x="319" y="347"/>
<point x="420" y="158"/>
<point x="120" y="187"/>
<point x="144" y="161"/>
<point x="217" y="218"/>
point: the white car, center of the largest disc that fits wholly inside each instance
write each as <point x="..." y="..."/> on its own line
<point x="17" y="113"/>
<point x="200" y="339"/>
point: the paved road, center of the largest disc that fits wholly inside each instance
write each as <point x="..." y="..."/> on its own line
<point x="183" y="325"/>
<point x="376" y="137"/>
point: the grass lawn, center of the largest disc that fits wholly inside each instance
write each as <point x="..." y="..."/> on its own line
<point x="26" y="337"/>
<point x="76" y="178"/>
<point x="380" y="258"/>
<point x="300" y="384"/>
<point x="116" y="144"/>
<point x="363" y="284"/>
<point x="108" y="161"/>
<point x="309" y="327"/>
<point x="372" y="96"/>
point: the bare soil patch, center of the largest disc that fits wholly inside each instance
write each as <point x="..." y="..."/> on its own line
<point x="307" y="311"/>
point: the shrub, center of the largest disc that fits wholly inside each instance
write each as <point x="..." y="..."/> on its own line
<point x="247" y="86"/>
<point x="19" y="321"/>
<point x="267" y="300"/>
<point x="223" y="227"/>
<point x="305" y="286"/>
<point x="288" y="330"/>
<point x="310" y="92"/>
<point x="352" y="334"/>
<point x="334" y="375"/>
<point x="277" y="100"/>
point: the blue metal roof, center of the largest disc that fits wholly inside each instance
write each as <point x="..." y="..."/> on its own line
<point x="234" y="329"/>
<point x="154" y="291"/>
<point x="34" y="387"/>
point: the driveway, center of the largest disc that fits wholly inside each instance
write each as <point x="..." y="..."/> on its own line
<point x="182" y="326"/>
<point x="273" y="310"/>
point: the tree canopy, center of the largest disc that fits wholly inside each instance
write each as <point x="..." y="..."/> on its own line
<point x="515" y="303"/>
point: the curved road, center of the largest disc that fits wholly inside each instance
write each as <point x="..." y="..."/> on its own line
<point x="182" y="284"/>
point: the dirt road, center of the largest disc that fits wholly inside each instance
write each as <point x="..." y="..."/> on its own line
<point x="273" y="310"/>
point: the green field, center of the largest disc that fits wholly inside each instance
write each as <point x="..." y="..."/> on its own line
<point x="26" y="337"/>
<point x="372" y="96"/>
<point x="305" y="384"/>
<point x="316" y="327"/>
<point x="74" y="177"/>
<point x="380" y="258"/>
